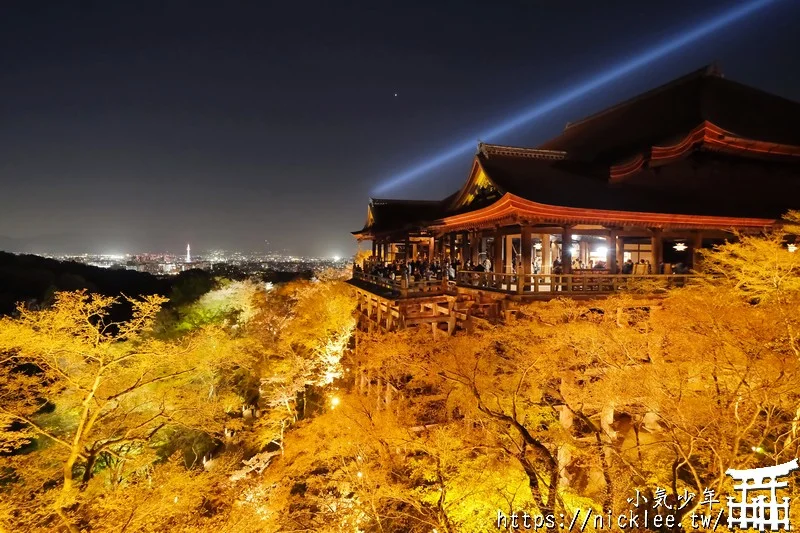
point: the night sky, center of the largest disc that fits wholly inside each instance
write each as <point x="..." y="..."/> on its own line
<point x="139" y="126"/>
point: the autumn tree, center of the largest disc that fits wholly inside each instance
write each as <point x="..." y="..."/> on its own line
<point x="89" y="393"/>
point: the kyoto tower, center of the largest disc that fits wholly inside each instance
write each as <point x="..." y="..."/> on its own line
<point x="188" y="254"/>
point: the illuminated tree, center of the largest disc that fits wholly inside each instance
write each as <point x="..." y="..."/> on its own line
<point x="96" y="393"/>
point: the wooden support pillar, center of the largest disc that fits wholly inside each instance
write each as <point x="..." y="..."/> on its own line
<point x="497" y="261"/>
<point x="453" y="250"/>
<point x="414" y="251"/>
<point x="463" y="249"/>
<point x="509" y="254"/>
<point x="440" y="247"/>
<point x="374" y="249"/>
<point x="697" y="245"/>
<point x="656" y="245"/>
<point x="611" y="257"/>
<point x="566" y="247"/>
<point x="475" y="247"/>
<point x="547" y="254"/>
<point x="431" y="245"/>
<point x="524" y="271"/>
<point x="407" y="249"/>
<point x="620" y="251"/>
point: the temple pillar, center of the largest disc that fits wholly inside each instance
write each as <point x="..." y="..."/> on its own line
<point x="497" y="261"/>
<point x="475" y="247"/>
<point x="611" y="257"/>
<point x="431" y="244"/>
<point x="620" y="251"/>
<point x="526" y="247"/>
<point x="453" y="249"/>
<point x="414" y="251"/>
<point x="566" y="246"/>
<point x="374" y="249"/>
<point x="656" y="245"/>
<point x="697" y="245"/>
<point x="463" y="250"/>
<point x="509" y="254"/>
<point x="547" y="254"/>
<point x="407" y="249"/>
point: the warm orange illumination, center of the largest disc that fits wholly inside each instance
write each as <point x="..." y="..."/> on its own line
<point x="510" y="208"/>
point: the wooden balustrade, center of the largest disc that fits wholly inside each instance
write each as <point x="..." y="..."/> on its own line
<point x="589" y="282"/>
<point x="527" y="284"/>
<point x="401" y="286"/>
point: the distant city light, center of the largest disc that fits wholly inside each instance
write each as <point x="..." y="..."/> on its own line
<point x="336" y="258"/>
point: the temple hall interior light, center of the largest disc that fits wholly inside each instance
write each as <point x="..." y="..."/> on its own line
<point x="679" y="247"/>
<point x="602" y="250"/>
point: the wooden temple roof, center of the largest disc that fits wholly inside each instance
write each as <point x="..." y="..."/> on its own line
<point x="387" y="215"/>
<point x="670" y="112"/>
<point x="512" y="209"/>
<point x="701" y="151"/>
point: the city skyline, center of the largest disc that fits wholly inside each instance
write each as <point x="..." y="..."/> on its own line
<point x="126" y="131"/>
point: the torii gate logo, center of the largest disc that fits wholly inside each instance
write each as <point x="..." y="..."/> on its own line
<point x="763" y="511"/>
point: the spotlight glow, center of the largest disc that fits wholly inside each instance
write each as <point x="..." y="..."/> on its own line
<point x="619" y="70"/>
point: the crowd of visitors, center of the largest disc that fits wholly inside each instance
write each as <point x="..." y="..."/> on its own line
<point x="411" y="270"/>
<point x="422" y="270"/>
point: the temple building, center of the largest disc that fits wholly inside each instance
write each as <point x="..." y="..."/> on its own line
<point x="646" y="182"/>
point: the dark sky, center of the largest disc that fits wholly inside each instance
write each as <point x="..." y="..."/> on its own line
<point x="133" y="126"/>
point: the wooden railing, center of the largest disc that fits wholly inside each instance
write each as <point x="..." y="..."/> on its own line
<point x="583" y="283"/>
<point x="402" y="287"/>
<point x="569" y="283"/>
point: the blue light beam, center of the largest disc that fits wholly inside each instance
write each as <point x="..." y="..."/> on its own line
<point x="657" y="52"/>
